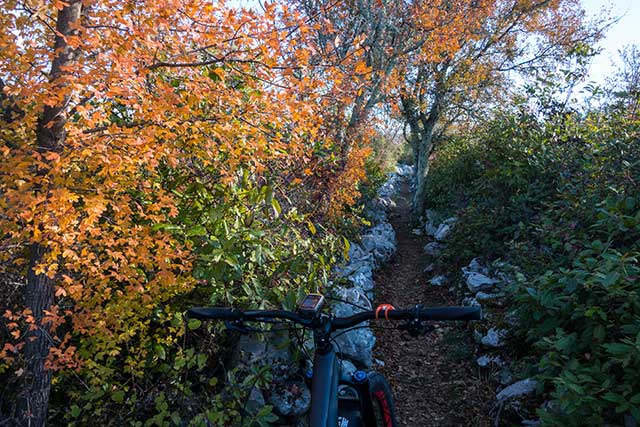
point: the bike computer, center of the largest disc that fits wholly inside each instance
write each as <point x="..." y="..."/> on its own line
<point x="311" y="305"/>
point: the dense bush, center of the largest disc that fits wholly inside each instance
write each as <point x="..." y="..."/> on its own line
<point x="247" y="251"/>
<point x="558" y="197"/>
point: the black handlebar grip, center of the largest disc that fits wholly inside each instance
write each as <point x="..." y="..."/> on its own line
<point x="452" y="313"/>
<point x="214" y="313"/>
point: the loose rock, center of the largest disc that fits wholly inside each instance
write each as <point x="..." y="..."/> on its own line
<point x="494" y="338"/>
<point x="438" y="280"/>
<point x="477" y="282"/>
<point x="474" y="267"/>
<point x="485" y="361"/>
<point x="444" y="229"/>
<point x="518" y="389"/>
<point x="291" y="399"/>
<point x="483" y="296"/>
<point x="380" y="241"/>
<point x="433" y="248"/>
<point x="471" y="302"/>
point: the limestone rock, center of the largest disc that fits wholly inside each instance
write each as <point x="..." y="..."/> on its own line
<point x="471" y="302"/>
<point x="433" y="248"/>
<point x="438" y="280"/>
<point x="518" y="389"/>
<point x="485" y="361"/>
<point x="291" y="398"/>
<point x="494" y="338"/>
<point x="483" y="296"/>
<point x="477" y="282"/>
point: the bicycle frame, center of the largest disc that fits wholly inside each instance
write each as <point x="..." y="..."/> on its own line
<point x="324" y="390"/>
<point x="326" y="375"/>
<point x="325" y="381"/>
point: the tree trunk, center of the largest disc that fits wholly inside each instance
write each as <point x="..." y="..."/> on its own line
<point x="425" y="146"/>
<point x="422" y="127"/>
<point x="33" y="400"/>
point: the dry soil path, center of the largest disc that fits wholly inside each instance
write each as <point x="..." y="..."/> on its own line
<point x="434" y="380"/>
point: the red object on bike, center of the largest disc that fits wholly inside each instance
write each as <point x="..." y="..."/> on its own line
<point x="386" y="308"/>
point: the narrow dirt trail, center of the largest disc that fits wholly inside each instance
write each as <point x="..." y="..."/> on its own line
<point x="433" y="377"/>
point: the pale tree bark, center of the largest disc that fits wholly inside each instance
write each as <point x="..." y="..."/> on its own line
<point x="422" y="130"/>
<point x="33" y="400"/>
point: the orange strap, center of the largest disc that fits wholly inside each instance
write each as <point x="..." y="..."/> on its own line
<point x="385" y="308"/>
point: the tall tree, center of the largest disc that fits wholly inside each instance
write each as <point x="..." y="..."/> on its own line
<point x="110" y="93"/>
<point x="39" y="291"/>
<point x="499" y="38"/>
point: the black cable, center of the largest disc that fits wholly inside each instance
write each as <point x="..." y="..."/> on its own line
<point x="301" y="343"/>
<point x="347" y="302"/>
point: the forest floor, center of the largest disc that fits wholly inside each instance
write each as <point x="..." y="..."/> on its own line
<point x="434" y="378"/>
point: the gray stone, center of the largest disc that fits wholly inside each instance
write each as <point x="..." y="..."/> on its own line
<point x="444" y="229"/>
<point x="474" y="267"/>
<point x="251" y="350"/>
<point x="362" y="280"/>
<point x="433" y="248"/>
<point x="485" y="361"/>
<point x="438" y="280"/>
<point x="483" y="296"/>
<point x="442" y="232"/>
<point x="417" y="232"/>
<point x="357" y="345"/>
<point x="380" y="241"/>
<point x="375" y="214"/>
<point x="471" y="302"/>
<point x="291" y="398"/>
<point x="531" y="423"/>
<point x="477" y="282"/>
<point x="494" y="338"/>
<point x="430" y="229"/>
<point x="518" y="389"/>
<point x="353" y="296"/>
<point x="405" y="171"/>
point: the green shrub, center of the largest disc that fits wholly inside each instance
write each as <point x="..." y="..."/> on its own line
<point x="558" y="197"/>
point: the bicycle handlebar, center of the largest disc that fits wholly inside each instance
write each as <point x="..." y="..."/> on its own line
<point x="433" y="313"/>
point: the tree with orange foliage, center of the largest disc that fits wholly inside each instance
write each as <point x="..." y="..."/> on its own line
<point x="108" y="93"/>
<point x="433" y="58"/>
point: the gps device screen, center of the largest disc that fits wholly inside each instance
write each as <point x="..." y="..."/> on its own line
<point x="311" y="304"/>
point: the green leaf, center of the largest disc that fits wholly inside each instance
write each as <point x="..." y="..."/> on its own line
<point x="75" y="411"/>
<point x="194" y="324"/>
<point x="201" y="360"/>
<point x="346" y="248"/>
<point x="311" y="227"/>
<point x="198" y="230"/>
<point x="118" y="396"/>
<point x="160" y="351"/>
<point x="276" y="207"/>
<point x="599" y="333"/>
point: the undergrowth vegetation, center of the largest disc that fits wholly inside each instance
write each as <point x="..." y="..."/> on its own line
<point x="557" y="197"/>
